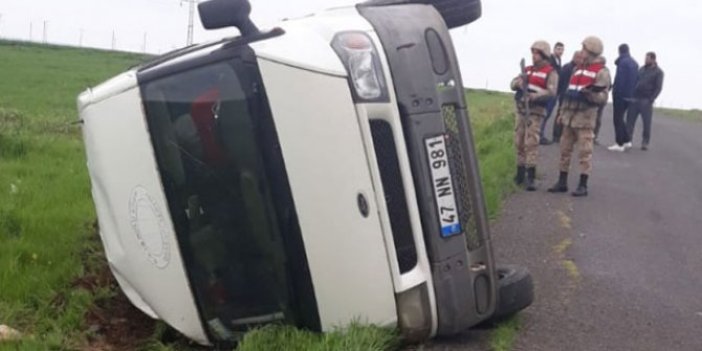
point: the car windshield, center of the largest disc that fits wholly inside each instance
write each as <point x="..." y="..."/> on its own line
<point x="216" y="161"/>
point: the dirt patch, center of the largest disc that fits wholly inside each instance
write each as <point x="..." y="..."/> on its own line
<point x="113" y="323"/>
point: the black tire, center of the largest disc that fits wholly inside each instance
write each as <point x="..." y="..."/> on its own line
<point x="456" y="13"/>
<point x="515" y="291"/>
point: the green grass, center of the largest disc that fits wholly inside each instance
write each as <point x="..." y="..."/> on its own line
<point x="46" y="210"/>
<point x="690" y="115"/>
<point x="492" y="118"/>
<point x="44" y="81"/>
<point x="504" y="335"/>
<point x="45" y="204"/>
<point x="354" y="338"/>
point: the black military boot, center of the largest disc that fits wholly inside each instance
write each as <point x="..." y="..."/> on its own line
<point x="562" y="185"/>
<point x="519" y="178"/>
<point x="582" y="187"/>
<point x="530" y="179"/>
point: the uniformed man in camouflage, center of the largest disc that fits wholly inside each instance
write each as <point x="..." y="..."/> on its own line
<point x="588" y="89"/>
<point x="541" y="83"/>
<point x="600" y="110"/>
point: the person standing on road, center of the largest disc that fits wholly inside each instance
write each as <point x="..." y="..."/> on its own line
<point x="563" y="80"/>
<point x="648" y="87"/>
<point x="556" y="63"/>
<point x="600" y="110"/>
<point x="587" y="91"/>
<point x="622" y="93"/>
<point x="542" y="82"/>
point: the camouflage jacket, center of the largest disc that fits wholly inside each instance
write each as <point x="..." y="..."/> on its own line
<point x="582" y="113"/>
<point x="537" y="100"/>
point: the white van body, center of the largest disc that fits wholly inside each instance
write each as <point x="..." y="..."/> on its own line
<point x="325" y="137"/>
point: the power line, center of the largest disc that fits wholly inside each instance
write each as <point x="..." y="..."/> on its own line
<point x="88" y="36"/>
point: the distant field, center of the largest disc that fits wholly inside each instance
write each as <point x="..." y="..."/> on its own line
<point x="48" y="253"/>
<point x="690" y="115"/>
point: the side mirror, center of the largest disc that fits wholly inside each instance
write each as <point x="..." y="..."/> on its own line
<point x="215" y="14"/>
<point x="456" y="13"/>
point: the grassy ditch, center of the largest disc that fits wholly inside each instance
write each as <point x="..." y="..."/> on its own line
<point x="45" y="206"/>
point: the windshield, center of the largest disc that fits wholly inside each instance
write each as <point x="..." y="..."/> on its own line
<point x="228" y="194"/>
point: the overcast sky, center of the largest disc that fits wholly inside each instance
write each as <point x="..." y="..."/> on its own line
<point x="489" y="49"/>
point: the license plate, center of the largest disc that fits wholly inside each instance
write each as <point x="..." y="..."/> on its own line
<point x="443" y="186"/>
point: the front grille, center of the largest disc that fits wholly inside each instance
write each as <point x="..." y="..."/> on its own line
<point x="389" y="166"/>
<point x="459" y="175"/>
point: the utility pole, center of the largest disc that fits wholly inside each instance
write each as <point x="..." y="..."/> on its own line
<point x="143" y="47"/>
<point x="114" y="41"/>
<point x="31" y="30"/>
<point x="80" y="41"/>
<point x="191" y="16"/>
<point x="44" y="37"/>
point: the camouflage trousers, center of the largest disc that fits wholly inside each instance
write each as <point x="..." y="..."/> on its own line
<point x="584" y="138"/>
<point x="526" y="139"/>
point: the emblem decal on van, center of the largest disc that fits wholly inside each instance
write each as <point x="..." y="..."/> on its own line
<point x="149" y="225"/>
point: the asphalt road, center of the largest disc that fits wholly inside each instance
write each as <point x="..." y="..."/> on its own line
<point x="620" y="269"/>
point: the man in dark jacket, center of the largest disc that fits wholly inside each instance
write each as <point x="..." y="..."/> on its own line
<point x="556" y="63"/>
<point x="563" y="80"/>
<point x="556" y="56"/>
<point x="648" y="87"/>
<point x="622" y="93"/>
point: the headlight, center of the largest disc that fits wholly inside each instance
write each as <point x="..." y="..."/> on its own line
<point x="362" y="63"/>
<point x="414" y="314"/>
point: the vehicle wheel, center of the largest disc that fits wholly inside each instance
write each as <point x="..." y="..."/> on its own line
<point x="515" y="291"/>
<point x="456" y="13"/>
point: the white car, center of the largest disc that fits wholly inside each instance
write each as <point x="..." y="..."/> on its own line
<point x="314" y="174"/>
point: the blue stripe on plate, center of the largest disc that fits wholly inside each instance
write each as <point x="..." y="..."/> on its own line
<point x="451" y="230"/>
